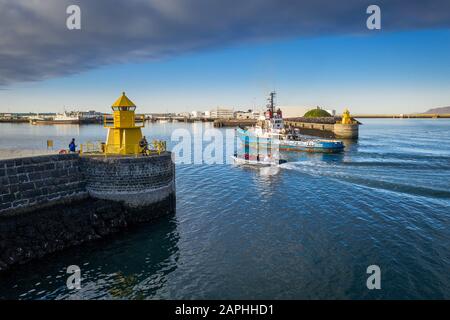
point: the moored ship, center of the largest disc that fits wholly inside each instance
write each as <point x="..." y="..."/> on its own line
<point x="60" y="118"/>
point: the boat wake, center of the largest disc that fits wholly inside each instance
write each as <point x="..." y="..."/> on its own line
<point x="376" y="177"/>
<point x="269" y="171"/>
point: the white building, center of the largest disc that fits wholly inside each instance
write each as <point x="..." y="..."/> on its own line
<point x="222" y="113"/>
<point x="197" y="114"/>
<point x="258" y="113"/>
<point x="89" y="115"/>
<point x="184" y="114"/>
<point x="243" y="115"/>
<point x="247" y="114"/>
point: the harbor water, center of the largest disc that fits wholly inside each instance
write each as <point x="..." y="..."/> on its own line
<point x="306" y="230"/>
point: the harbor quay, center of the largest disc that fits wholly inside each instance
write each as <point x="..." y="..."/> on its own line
<point x="345" y="127"/>
<point x="234" y="122"/>
<point x="52" y="202"/>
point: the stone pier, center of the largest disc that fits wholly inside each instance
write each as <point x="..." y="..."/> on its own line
<point x="51" y="202"/>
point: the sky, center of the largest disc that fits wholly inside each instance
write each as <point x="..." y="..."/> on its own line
<point x="177" y="56"/>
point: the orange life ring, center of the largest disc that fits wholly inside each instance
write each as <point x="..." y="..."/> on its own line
<point x="62" y="151"/>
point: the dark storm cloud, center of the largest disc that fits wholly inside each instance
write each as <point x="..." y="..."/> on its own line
<point x="35" y="43"/>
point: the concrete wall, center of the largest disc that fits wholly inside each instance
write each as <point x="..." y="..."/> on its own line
<point x="139" y="181"/>
<point x="347" y="131"/>
<point x="313" y="126"/>
<point x="32" y="182"/>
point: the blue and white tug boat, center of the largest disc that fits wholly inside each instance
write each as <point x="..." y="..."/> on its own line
<point x="270" y="131"/>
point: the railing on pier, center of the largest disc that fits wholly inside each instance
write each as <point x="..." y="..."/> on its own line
<point x="92" y="147"/>
<point x="100" y="148"/>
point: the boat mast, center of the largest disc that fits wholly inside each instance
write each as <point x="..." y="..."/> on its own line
<point x="271" y="105"/>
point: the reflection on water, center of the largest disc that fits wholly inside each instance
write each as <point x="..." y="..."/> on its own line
<point x="132" y="265"/>
<point x="66" y="130"/>
<point x="308" y="229"/>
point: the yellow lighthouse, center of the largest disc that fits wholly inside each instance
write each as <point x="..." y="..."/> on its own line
<point x="124" y="134"/>
<point x="346" y="118"/>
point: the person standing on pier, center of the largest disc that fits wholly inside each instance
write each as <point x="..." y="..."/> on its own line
<point x="144" y="145"/>
<point x="72" y="146"/>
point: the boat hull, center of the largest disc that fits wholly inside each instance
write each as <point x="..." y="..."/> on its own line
<point x="241" y="161"/>
<point x="319" y="146"/>
<point x="321" y="149"/>
<point x="288" y="148"/>
<point x="46" y="122"/>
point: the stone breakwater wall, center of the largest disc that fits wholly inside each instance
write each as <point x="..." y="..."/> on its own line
<point x="318" y="125"/>
<point x="29" y="183"/>
<point x="49" y="203"/>
<point x="135" y="181"/>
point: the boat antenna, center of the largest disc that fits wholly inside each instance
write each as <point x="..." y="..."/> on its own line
<point x="271" y="100"/>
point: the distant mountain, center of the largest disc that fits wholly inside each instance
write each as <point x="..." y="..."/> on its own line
<point x="441" y="110"/>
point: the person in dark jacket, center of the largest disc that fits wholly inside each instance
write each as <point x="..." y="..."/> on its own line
<point x="144" y="145"/>
<point x="72" y="146"/>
